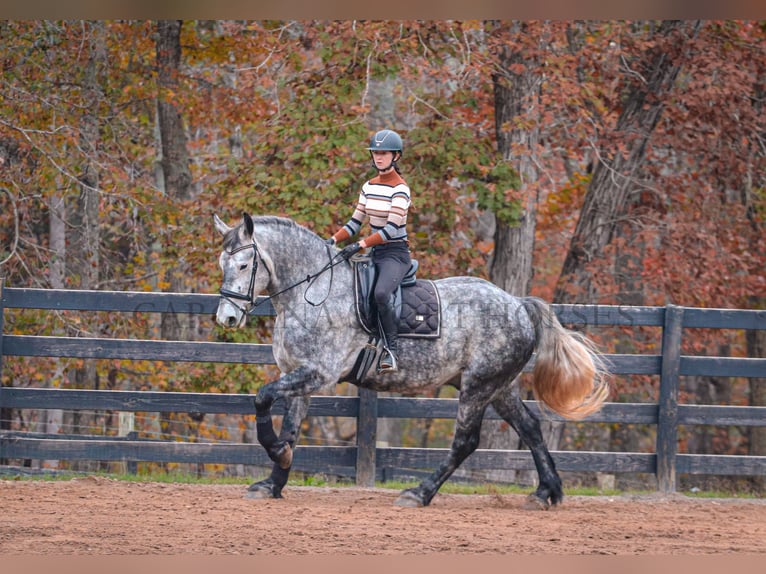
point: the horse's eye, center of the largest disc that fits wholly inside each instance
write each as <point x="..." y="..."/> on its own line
<point x="243" y="267"/>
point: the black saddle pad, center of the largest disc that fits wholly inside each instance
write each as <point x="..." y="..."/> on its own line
<point x="418" y="304"/>
<point x="420" y="314"/>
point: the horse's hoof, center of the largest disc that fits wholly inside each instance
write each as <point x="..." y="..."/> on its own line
<point x="409" y="499"/>
<point x="261" y="491"/>
<point x="534" y="502"/>
<point x="259" y="494"/>
<point x="284" y="457"/>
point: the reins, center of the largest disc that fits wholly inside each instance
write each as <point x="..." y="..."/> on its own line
<point x="309" y="278"/>
<point x="250" y="295"/>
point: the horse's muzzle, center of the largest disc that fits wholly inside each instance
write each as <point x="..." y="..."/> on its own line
<point x="230" y="314"/>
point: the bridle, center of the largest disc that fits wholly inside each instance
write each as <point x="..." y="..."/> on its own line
<point x="250" y="296"/>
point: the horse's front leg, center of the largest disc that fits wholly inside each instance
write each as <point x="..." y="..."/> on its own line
<point x="299" y="383"/>
<point x="271" y="487"/>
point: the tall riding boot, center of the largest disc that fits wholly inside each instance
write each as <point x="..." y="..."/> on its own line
<point x="388" y="324"/>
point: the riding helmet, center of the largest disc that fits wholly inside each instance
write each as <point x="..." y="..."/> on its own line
<point x="386" y="140"/>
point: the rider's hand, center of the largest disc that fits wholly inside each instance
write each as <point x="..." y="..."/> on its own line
<point x="330" y="241"/>
<point x="350" y="250"/>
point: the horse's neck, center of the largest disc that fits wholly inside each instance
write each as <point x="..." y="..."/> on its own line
<point x="296" y="258"/>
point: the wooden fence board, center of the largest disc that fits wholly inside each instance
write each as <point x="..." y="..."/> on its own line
<point x="348" y="406"/>
<point x="137" y="349"/>
<point x="413" y="408"/>
<point x="159" y="401"/>
<point x="483" y="459"/>
<point x="311" y="457"/>
<point x="737" y="465"/>
<point x="724" y="318"/>
<point x="721" y="415"/>
<point x="119" y="301"/>
<point x="723" y="366"/>
<point x="600" y="315"/>
<point x="12" y="446"/>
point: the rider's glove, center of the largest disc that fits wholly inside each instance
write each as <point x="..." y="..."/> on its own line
<point x="329" y="241"/>
<point x="349" y="250"/>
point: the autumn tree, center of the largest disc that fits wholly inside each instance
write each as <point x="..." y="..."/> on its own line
<point x="649" y="80"/>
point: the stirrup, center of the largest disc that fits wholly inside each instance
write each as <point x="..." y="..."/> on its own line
<point x="387" y="362"/>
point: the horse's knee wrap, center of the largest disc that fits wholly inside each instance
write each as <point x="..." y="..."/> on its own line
<point x="265" y="430"/>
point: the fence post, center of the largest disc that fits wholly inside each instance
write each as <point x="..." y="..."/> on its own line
<point x="366" y="437"/>
<point x="2" y="314"/>
<point x="4" y="425"/>
<point x="667" y="424"/>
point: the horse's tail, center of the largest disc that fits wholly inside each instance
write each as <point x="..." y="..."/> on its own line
<point x="569" y="376"/>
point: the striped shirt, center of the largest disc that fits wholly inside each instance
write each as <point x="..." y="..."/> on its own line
<point x="384" y="201"/>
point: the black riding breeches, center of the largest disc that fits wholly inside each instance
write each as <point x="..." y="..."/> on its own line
<point x="392" y="261"/>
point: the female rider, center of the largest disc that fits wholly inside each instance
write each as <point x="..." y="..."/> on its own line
<point x="384" y="201"/>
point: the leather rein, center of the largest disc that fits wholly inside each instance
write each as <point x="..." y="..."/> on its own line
<point x="250" y="296"/>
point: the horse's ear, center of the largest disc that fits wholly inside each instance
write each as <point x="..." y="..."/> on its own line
<point x="220" y="225"/>
<point x="249" y="226"/>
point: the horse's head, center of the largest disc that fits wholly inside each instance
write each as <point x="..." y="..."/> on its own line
<point x="246" y="271"/>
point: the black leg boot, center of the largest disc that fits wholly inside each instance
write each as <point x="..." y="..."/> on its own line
<point x="387" y="362"/>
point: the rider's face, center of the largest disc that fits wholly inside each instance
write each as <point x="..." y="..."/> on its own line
<point x="382" y="159"/>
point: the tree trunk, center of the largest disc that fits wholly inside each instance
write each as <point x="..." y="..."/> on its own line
<point x="517" y="97"/>
<point x="175" y="156"/>
<point x="613" y="177"/>
<point x="174" y="161"/>
<point x="176" y="183"/>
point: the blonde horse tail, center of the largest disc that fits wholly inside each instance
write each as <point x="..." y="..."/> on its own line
<point x="569" y="376"/>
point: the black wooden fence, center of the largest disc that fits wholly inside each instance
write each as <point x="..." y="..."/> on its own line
<point x="365" y="460"/>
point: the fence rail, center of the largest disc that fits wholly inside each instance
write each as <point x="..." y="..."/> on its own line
<point x="366" y="460"/>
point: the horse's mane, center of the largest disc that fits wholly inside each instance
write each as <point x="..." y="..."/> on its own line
<point x="231" y="239"/>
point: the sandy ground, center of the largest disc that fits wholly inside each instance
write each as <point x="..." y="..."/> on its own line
<point x="100" y="516"/>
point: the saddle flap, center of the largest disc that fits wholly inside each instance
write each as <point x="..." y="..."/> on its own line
<point x="364" y="282"/>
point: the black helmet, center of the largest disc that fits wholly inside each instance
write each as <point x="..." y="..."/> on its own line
<point x="386" y="140"/>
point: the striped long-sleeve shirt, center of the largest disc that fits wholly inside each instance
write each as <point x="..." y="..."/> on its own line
<point x="384" y="201"/>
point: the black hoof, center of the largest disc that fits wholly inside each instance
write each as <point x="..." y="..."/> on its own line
<point x="263" y="489"/>
<point x="409" y="498"/>
<point x="535" y="502"/>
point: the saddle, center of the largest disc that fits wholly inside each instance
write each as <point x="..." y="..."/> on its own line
<point x="416" y="301"/>
<point x="417" y="305"/>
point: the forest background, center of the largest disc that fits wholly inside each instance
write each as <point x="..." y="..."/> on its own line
<point x="609" y="162"/>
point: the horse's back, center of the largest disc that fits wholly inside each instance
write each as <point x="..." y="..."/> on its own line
<point x="460" y="294"/>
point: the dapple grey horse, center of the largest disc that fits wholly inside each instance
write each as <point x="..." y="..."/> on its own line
<point x="487" y="337"/>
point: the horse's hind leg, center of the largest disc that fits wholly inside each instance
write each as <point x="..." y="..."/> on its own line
<point x="467" y="434"/>
<point x="271" y="487"/>
<point x="512" y="409"/>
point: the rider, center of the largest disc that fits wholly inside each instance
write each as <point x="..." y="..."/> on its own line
<point x="384" y="200"/>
